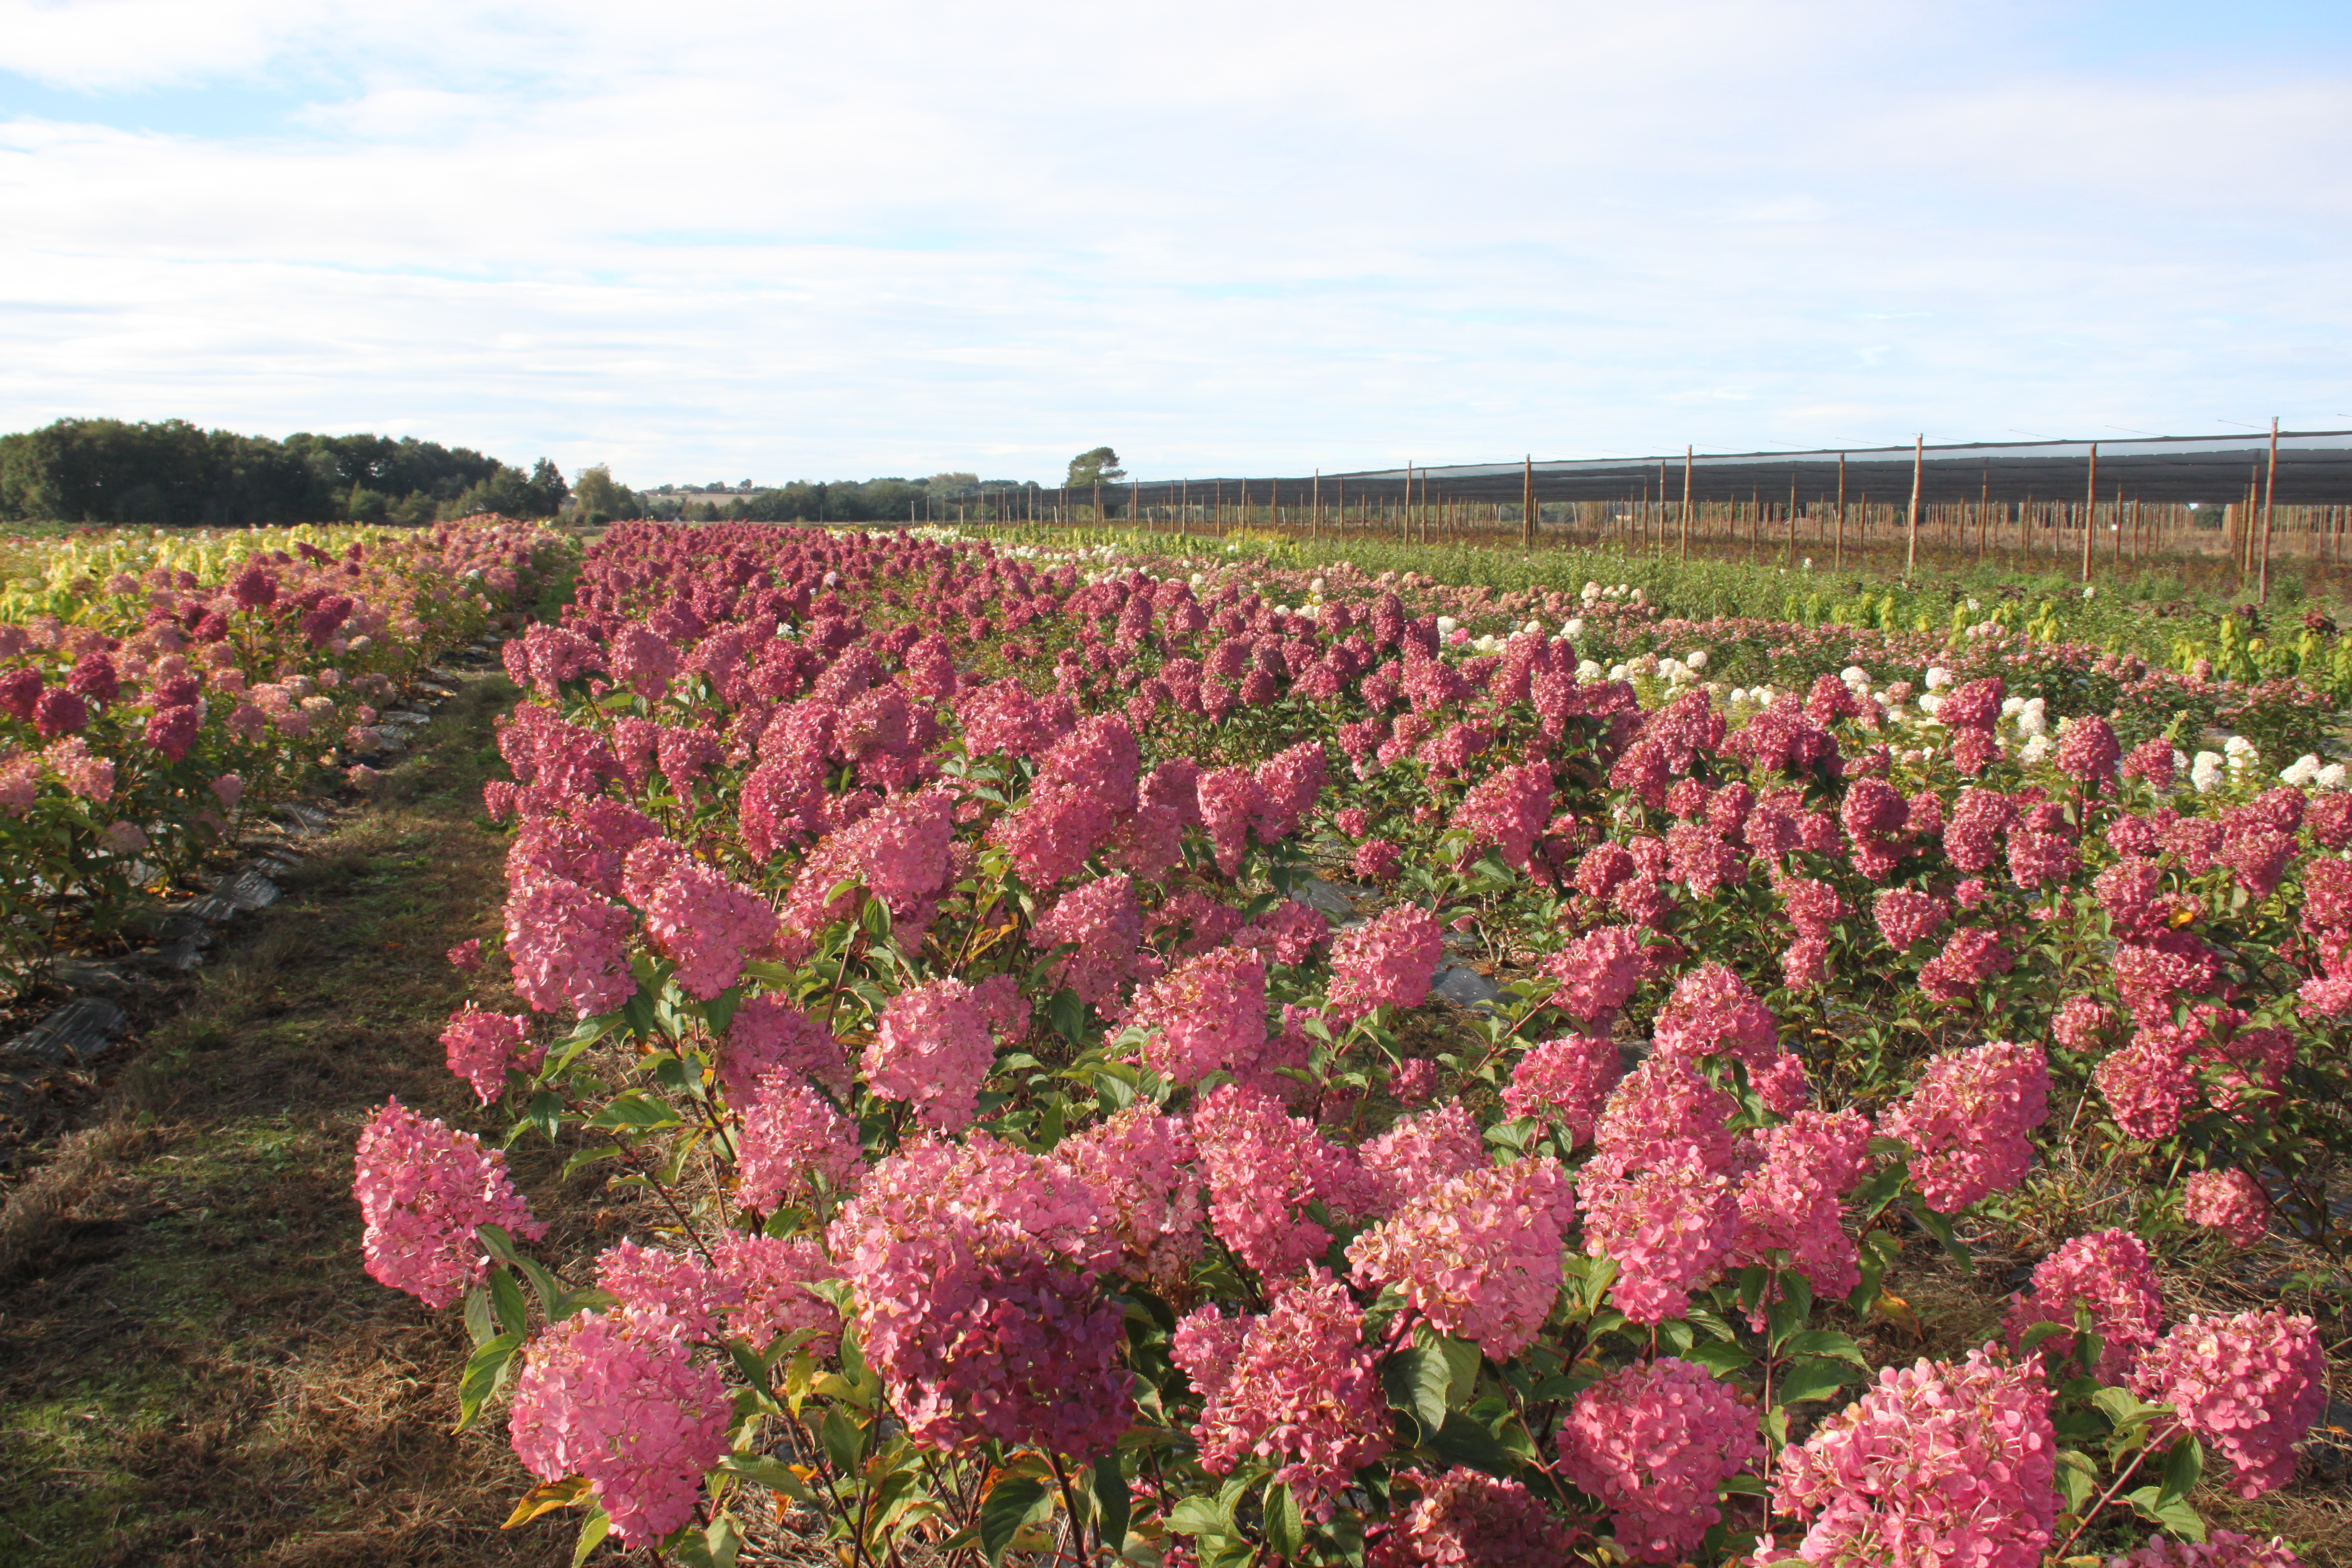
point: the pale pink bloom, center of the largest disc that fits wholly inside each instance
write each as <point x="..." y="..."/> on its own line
<point x="483" y="1047"/>
<point x="2108" y="1272"/>
<point x="422" y="1189"/>
<point x="1566" y="1080"/>
<point x="1477" y="1254"/>
<point x="1654" y="1443"/>
<point x="791" y="1140"/>
<point x="1144" y="1168"/>
<point x="1387" y="962"/>
<point x="2249" y="1387"/>
<point x="2231" y="1201"/>
<point x="1970" y="1122"/>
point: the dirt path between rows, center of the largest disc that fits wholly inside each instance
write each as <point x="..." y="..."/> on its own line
<point x="193" y="1368"/>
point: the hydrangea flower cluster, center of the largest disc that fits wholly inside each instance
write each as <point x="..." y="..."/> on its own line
<point x="1567" y="1079"/>
<point x="1654" y="1443"/>
<point x="1144" y="1168"/>
<point x="2249" y="1385"/>
<point x="1478" y="1255"/>
<point x="423" y="1188"/>
<point x="2108" y="1272"/>
<point x="934" y="1046"/>
<point x="1207" y="1013"/>
<point x="1387" y="962"/>
<point x="625" y="1405"/>
<point x="1970" y="1122"/>
<point x="2222" y="1549"/>
<point x="1264" y="1168"/>
<point x="1935" y="1464"/>
<point x="482" y="1047"/>
<point x="1464" y="1517"/>
<point x="2231" y="1201"/>
<point x="792" y="1139"/>
<point x="1297" y="1385"/>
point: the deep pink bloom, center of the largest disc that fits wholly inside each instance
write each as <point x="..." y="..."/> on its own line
<point x="1598" y="973"/>
<point x="1654" y="1443"/>
<point x="1713" y="1013"/>
<point x="1387" y="962"/>
<point x="2108" y="1272"/>
<point x="1206" y="1014"/>
<point x="1477" y="1254"/>
<point x="422" y="1189"/>
<point x="2231" y="1201"/>
<point x="482" y="1047"/>
<point x="1970" y="1122"/>
<point x="2250" y="1386"/>
<point x="933" y="1049"/>
<point x="1567" y="1079"/>
<point x="791" y="1137"/>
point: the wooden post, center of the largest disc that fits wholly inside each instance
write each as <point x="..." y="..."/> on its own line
<point x="1918" y="467"/>
<point x="2090" y="511"/>
<point x="1528" y="504"/>
<point x="1837" y="561"/>
<point x="1687" y="498"/>
<point x="1404" y="512"/>
<point x="2270" y="488"/>
<point x="1315" y="505"/>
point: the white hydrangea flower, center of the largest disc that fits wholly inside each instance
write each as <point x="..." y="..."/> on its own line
<point x="1616" y="672"/>
<point x="1572" y="627"/>
<point x="1855" y="674"/>
<point x="1695" y="659"/>
<point x="2299" y="771"/>
<point x="1591" y="592"/>
<point x="2036" y="748"/>
<point x="1535" y="627"/>
<point x="1445" y="624"/>
<point x="1587" y="671"/>
<point x="1939" y="678"/>
<point x="2207" y="772"/>
<point x="2332" y="776"/>
<point x="2011" y="706"/>
<point x="1929" y="702"/>
<point x="2034" y="717"/>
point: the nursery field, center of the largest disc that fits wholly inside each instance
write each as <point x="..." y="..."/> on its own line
<point x="1086" y="1048"/>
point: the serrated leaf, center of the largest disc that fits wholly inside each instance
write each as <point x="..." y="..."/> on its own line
<point x="1462" y="1360"/>
<point x="1009" y="1505"/>
<point x="1463" y="1441"/>
<point x="2078" y="1480"/>
<point x="1719" y="1357"/>
<point x="547" y="1499"/>
<point x="771" y="1473"/>
<point x="1790" y="1314"/>
<point x="1940" y="1228"/>
<point x="1199" y="1516"/>
<point x="635" y="1109"/>
<point x="2183" y="1468"/>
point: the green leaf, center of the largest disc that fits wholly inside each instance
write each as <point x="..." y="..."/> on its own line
<point x="483" y="1369"/>
<point x="1463" y="1441"/>
<point x="1416" y="1380"/>
<point x="1199" y="1516"/>
<point x="1285" y="1525"/>
<point x="586" y="1157"/>
<point x="514" y="1317"/>
<point x="1112" y="1504"/>
<point x="1823" y="1342"/>
<point x="635" y="1109"/>
<point x="845" y="1439"/>
<point x="1009" y="1505"/>
<point x="773" y="1474"/>
<point x="593" y="1531"/>
<point x="2183" y="1468"/>
<point x="1719" y="1356"/>
<point x="1069" y="1014"/>
<point x="495" y="1242"/>
<point x="1876" y="1194"/>
<point x="1812" y="1379"/>
<point x="1790" y="1314"/>
<point x="1462" y="1359"/>
<point x="2078" y="1479"/>
<point x="1940" y="1228"/>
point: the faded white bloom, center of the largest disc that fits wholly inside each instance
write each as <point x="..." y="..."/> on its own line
<point x="2332" y="776"/>
<point x="2299" y="771"/>
<point x="1939" y="678"/>
<point x="2207" y="772"/>
<point x="2036" y="748"/>
<point x="1695" y="659"/>
<point x="1572" y="627"/>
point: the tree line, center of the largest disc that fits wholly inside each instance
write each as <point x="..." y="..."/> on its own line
<point x="175" y="473"/>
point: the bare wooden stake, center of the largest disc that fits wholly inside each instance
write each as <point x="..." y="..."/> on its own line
<point x="2270" y="488"/>
<point x="1687" y="498"/>
<point x="1837" y="561"/>
<point x="2090" y="511"/>
<point x="1527" y="503"/>
<point x="1918" y="467"/>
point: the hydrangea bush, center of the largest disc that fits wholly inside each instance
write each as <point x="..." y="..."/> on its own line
<point x="1040" y="1165"/>
<point x="158" y="690"/>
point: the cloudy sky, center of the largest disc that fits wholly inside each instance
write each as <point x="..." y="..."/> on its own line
<point x="703" y="241"/>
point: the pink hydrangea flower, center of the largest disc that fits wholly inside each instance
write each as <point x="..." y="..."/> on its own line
<point x="2107" y="1271"/>
<point x="627" y="1406"/>
<point x="973" y="1267"/>
<point x="1970" y="1122"/>
<point x="1477" y="1254"/>
<point x="1387" y="962"/>
<point x="1421" y="1151"/>
<point x="423" y="1188"/>
<point x="1971" y="957"/>
<point x="1567" y="1079"/>
<point x="1206" y="1014"/>
<point x="1508" y="809"/>
<point x="1660" y="1112"/>
<point x="673" y="1292"/>
<point x="466" y="956"/>
<point x="934" y="1051"/>
<point x="2151" y="1083"/>
<point x="1935" y="1464"/>
<point x="792" y="1138"/>
<point x="2250" y="1386"/>
<point x="1463" y="1517"/>
<point x="1669" y="1226"/>
<point x="1793" y="1201"/>
<point x="1104" y="922"/>
<point x="768" y="1033"/>
<point x="1297" y="1385"/>
<point x="707" y="924"/>
<point x="1713" y="1013"/>
<point x="482" y="1047"/>
<point x="1598" y="973"/>
<point x="1906" y="916"/>
<point x="2231" y="1201"/>
<point x="1412" y="1082"/>
<point x="1264" y="1168"/>
<point x="1145" y="1169"/>
<point x="568" y="947"/>
<point x="1654" y="1443"/>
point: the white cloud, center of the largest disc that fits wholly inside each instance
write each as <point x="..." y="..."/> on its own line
<point x="838" y="240"/>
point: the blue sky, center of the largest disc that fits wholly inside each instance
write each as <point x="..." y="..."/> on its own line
<point x="708" y="242"/>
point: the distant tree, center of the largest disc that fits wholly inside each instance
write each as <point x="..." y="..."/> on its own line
<point x="596" y="498"/>
<point x="947" y="486"/>
<point x="1096" y="468"/>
